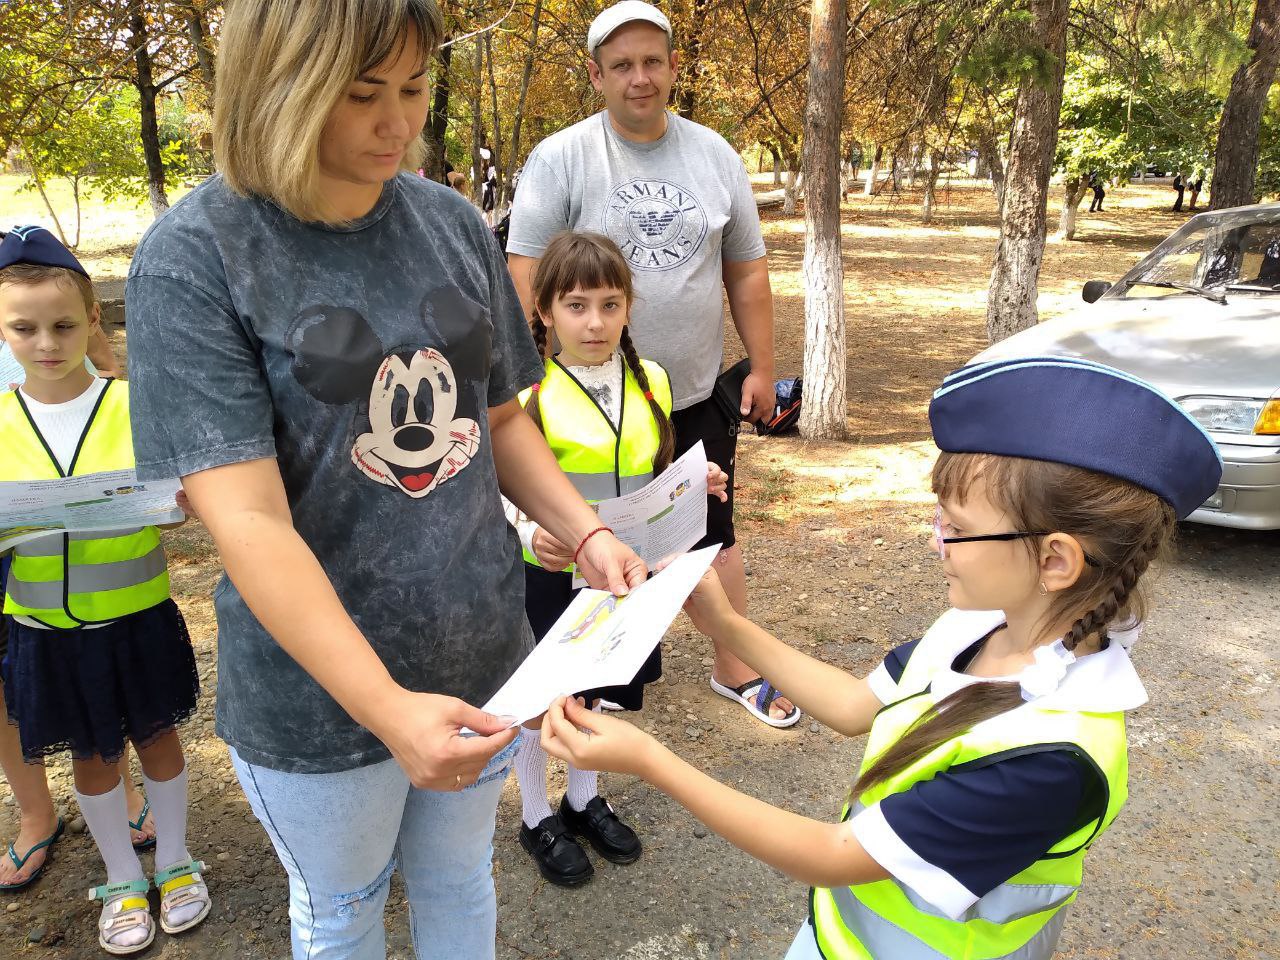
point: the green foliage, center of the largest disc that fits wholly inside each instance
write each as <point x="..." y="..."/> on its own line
<point x="98" y="143"/>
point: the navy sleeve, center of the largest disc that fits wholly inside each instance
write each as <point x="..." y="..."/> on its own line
<point x="986" y="824"/>
<point x="896" y="660"/>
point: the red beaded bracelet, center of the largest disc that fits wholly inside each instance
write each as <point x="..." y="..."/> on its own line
<point x="583" y="542"/>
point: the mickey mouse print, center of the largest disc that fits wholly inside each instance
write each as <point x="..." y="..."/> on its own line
<point x="419" y="426"/>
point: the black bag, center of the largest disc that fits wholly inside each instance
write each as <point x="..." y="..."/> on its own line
<point x="728" y="391"/>
<point x="786" y="409"/>
<point x="502" y="231"/>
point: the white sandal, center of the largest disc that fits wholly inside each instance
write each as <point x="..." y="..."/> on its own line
<point x="757" y="696"/>
<point x="181" y="885"/>
<point x="124" y="907"/>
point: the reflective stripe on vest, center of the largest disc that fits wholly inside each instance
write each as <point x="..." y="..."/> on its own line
<point x="1022" y="917"/>
<point x="69" y="580"/>
<point x="872" y="937"/>
<point x="601" y="486"/>
<point x="600" y="460"/>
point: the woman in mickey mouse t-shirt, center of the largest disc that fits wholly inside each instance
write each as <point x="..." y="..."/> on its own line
<point x="328" y="352"/>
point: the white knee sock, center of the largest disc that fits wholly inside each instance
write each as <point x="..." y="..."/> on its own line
<point x="169" y="808"/>
<point x="107" y="816"/>
<point x="531" y="774"/>
<point x="583" y="787"/>
<point x="583" y="784"/>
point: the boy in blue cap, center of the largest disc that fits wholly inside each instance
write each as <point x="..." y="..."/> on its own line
<point x="39" y="826"/>
<point x="98" y="654"/>
<point x="101" y="359"/>
<point x="997" y="751"/>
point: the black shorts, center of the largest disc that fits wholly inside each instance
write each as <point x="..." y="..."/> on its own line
<point x="705" y="421"/>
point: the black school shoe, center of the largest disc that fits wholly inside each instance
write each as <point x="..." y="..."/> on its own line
<point x="610" y="837"/>
<point x="560" y="858"/>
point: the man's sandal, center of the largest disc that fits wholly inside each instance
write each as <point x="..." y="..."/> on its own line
<point x="136" y="825"/>
<point x="180" y="885"/>
<point x="19" y="862"/>
<point x="124" y="908"/>
<point x="758" y="696"/>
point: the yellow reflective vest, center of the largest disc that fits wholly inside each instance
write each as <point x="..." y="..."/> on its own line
<point x="601" y="460"/>
<point x="72" y="579"/>
<point x="1023" y="917"/>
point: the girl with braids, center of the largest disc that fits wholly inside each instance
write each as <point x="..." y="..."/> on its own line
<point x="605" y="414"/>
<point x="996" y="753"/>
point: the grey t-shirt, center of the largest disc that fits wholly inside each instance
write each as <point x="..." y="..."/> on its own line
<point x="677" y="208"/>
<point x="364" y="359"/>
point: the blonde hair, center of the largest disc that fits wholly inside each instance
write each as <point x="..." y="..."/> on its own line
<point x="282" y="65"/>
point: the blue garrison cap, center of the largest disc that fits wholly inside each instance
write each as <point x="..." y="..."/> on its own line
<point x="36" y="245"/>
<point x="1081" y="413"/>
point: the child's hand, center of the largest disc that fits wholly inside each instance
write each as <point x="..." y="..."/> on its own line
<point x="551" y="553"/>
<point x="184" y="504"/>
<point x="593" y="741"/>
<point x="717" y="482"/>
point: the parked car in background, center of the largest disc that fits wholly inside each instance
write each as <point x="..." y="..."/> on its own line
<point x="1198" y="317"/>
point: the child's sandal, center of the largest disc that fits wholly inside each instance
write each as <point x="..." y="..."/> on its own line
<point x="124" y="908"/>
<point x="180" y="885"/>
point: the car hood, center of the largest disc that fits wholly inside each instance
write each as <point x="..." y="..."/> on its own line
<point x="1184" y="345"/>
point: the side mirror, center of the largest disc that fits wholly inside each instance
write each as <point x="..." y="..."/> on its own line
<point x="1094" y="289"/>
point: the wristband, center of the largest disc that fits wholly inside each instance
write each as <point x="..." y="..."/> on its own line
<point x="583" y="542"/>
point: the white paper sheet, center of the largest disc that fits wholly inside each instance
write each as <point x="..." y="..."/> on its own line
<point x="666" y="516"/>
<point x="600" y="640"/>
<point x="95" y="501"/>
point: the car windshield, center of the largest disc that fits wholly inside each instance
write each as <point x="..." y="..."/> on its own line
<point x="1235" y="252"/>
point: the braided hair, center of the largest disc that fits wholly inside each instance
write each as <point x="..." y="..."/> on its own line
<point x="1121" y="527"/>
<point x="591" y="261"/>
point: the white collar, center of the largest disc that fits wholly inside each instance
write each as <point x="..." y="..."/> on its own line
<point x="1102" y="682"/>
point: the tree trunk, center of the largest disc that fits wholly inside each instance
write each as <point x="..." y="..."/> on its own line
<point x="777" y="165"/>
<point x="1015" y="273"/>
<point x="873" y="172"/>
<point x="1235" y="162"/>
<point x="39" y="182"/>
<point x="477" y="125"/>
<point x="438" y="121"/>
<point x="496" y="158"/>
<point x="930" y="187"/>
<point x="1073" y="192"/>
<point x="691" y="61"/>
<point x="75" y="196"/>
<point x="513" y="155"/>
<point x="791" y="190"/>
<point x="823" y="413"/>
<point x="150" y="126"/>
<point x="198" y="31"/>
<point x="989" y="157"/>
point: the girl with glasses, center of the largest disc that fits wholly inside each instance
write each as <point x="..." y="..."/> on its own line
<point x="996" y="754"/>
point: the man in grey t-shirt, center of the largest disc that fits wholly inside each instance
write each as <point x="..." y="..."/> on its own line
<point x="675" y="198"/>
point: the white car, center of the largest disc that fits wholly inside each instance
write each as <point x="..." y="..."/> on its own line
<point x="1198" y="317"/>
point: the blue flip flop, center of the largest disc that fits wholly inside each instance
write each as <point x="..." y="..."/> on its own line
<point x="20" y="862"/>
<point x="150" y="842"/>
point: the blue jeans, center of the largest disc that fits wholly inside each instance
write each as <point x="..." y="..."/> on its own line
<point x="340" y="835"/>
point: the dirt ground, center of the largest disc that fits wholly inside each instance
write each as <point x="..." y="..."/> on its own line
<point x="836" y="537"/>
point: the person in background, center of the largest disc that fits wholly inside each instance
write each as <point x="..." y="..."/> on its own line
<point x="675" y="198"/>
<point x="606" y="414"/>
<point x="98" y="651"/>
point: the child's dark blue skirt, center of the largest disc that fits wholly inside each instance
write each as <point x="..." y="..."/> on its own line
<point x="91" y="690"/>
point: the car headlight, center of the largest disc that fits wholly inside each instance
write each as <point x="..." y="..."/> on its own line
<point x="1234" y="414"/>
